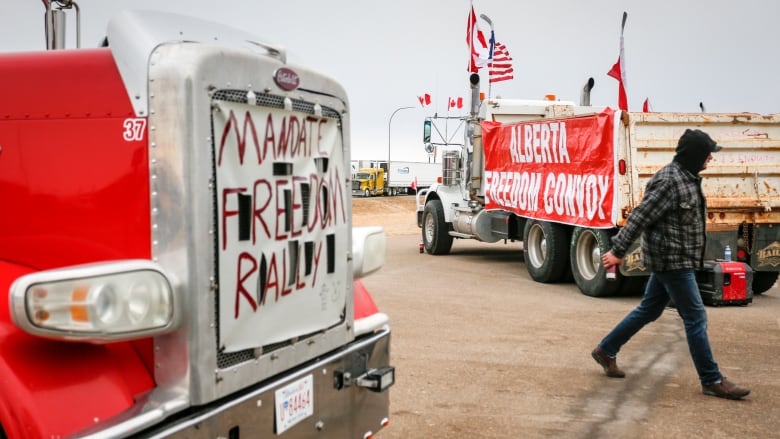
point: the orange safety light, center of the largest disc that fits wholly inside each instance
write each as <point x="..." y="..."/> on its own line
<point x="481" y="96"/>
<point x="78" y="310"/>
<point x="549" y="97"/>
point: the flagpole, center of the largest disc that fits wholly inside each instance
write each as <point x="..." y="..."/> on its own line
<point x="471" y="40"/>
<point x="490" y="52"/>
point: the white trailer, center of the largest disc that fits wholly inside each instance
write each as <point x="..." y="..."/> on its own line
<point x="408" y="177"/>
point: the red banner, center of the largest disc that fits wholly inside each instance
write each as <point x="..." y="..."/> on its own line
<point x="558" y="170"/>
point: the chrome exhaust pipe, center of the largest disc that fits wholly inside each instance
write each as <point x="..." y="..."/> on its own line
<point x="55" y="23"/>
<point x="585" y="96"/>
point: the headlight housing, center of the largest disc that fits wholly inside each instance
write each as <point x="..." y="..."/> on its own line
<point x="97" y="303"/>
<point x="369" y="248"/>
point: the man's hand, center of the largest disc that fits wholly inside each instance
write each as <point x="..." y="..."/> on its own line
<point x="608" y="259"/>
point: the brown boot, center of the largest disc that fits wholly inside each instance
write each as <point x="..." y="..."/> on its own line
<point x="608" y="363"/>
<point x="725" y="389"/>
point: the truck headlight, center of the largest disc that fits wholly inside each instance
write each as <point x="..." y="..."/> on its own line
<point x="97" y="303"/>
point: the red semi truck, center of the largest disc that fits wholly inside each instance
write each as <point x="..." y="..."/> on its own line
<point x="176" y="242"/>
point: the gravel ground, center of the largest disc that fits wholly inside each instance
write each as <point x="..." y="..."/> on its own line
<point x="482" y="351"/>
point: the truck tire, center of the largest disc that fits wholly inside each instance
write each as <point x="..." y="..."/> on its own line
<point x="367" y="193"/>
<point x="763" y="280"/>
<point x="435" y="231"/>
<point x="589" y="274"/>
<point x="545" y="251"/>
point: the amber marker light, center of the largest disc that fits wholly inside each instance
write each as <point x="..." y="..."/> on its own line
<point x="78" y="312"/>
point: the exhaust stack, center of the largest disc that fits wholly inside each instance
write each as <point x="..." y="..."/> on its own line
<point x="585" y="96"/>
<point x="55" y="24"/>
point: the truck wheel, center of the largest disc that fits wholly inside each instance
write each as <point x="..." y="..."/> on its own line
<point x="367" y="193"/>
<point x="435" y="231"/>
<point x="545" y="250"/>
<point x="586" y="247"/>
<point x="763" y="280"/>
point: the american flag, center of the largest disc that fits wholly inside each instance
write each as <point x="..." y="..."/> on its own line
<point x="500" y="66"/>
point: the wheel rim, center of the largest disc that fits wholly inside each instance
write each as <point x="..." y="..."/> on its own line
<point x="588" y="255"/>
<point x="429" y="228"/>
<point x="537" y="246"/>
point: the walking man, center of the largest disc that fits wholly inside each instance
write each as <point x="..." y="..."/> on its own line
<point x="671" y="219"/>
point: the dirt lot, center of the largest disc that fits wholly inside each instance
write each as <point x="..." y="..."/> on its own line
<point x="482" y="351"/>
<point x="395" y="214"/>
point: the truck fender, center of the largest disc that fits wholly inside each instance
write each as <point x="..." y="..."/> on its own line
<point x="364" y="303"/>
<point x="51" y="388"/>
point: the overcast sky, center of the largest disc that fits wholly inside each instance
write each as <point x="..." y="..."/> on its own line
<point x="387" y="53"/>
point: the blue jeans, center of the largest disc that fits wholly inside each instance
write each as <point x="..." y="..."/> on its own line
<point x="681" y="287"/>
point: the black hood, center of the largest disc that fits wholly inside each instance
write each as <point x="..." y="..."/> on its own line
<point x="693" y="149"/>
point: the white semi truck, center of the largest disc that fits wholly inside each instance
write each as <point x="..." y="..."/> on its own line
<point x="563" y="178"/>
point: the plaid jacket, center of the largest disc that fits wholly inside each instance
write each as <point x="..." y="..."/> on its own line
<point x="671" y="219"/>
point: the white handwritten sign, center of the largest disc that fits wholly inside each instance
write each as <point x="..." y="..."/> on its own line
<point x="282" y="224"/>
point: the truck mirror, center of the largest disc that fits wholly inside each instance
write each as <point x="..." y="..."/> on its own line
<point x="429" y="148"/>
<point x="427" y="131"/>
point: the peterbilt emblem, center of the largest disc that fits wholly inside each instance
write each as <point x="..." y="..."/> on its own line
<point x="286" y="78"/>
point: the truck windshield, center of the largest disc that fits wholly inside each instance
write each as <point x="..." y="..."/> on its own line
<point x="363" y="176"/>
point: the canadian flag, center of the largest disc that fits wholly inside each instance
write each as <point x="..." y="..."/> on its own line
<point x="455" y="102"/>
<point x="478" y="45"/>
<point x="425" y="99"/>
<point x="618" y="71"/>
<point x="414" y="183"/>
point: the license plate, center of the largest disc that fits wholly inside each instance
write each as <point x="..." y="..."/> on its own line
<point x="294" y="403"/>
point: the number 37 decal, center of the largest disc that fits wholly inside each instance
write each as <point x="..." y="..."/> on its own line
<point x="133" y="129"/>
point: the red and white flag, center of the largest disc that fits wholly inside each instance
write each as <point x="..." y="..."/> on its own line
<point x="618" y="71"/>
<point x="500" y="66"/>
<point x="646" y="106"/>
<point x="478" y="45"/>
<point x="425" y="99"/>
<point x="455" y="102"/>
<point x="414" y="183"/>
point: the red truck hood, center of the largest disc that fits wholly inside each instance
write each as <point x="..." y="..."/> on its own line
<point x="74" y="179"/>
